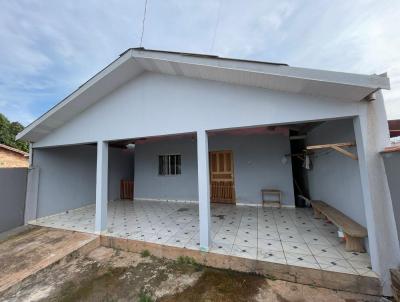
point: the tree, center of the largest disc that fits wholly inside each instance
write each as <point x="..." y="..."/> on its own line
<point x="8" y="131"/>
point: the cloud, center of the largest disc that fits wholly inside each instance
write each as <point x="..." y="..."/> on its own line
<point x="51" y="47"/>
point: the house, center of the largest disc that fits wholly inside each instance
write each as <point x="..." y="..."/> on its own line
<point x="201" y="137"/>
<point x="12" y="158"/>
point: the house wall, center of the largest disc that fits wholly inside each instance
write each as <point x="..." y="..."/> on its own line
<point x="10" y="159"/>
<point x="392" y="167"/>
<point x="12" y="197"/>
<point x="120" y="166"/>
<point x="156" y="104"/>
<point x="68" y="176"/>
<point x="257" y="165"/>
<point x="148" y="184"/>
<point x="335" y="178"/>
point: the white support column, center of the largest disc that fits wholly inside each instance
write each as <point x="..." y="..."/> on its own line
<point x="204" y="190"/>
<point x="101" y="186"/>
<point x="372" y="135"/>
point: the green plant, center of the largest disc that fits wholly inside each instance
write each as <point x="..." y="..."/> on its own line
<point x="185" y="261"/>
<point x="145" y="253"/>
<point x="145" y="297"/>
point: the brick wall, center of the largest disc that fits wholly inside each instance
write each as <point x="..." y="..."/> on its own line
<point x="10" y="159"/>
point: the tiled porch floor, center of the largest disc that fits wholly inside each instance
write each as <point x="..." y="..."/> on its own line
<point x="287" y="236"/>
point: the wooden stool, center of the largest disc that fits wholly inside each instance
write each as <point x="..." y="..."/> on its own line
<point x="272" y="192"/>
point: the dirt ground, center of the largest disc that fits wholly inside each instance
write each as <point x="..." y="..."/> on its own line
<point x="110" y="275"/>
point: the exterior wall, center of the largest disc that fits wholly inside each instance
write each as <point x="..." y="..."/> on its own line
<point x="257" y="165"/>
<point x="148" y="184"/>
<point x="335" y="178"/>
<point x="10" y="159"/>
<point x="392" y="167"/>
<point x="155" y="104"/>
<point x="68" y="176"/>
<point x="12" y="197"/>
<point x="120" y="166"/>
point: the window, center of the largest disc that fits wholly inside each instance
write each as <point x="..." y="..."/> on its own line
<point x="169" y="164"/>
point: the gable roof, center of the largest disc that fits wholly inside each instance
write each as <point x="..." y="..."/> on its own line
<point x="275" y="76"/>
<point x="14" y="150"/>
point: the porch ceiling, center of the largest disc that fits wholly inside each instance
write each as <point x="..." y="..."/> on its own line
<point x="133" y="62"/>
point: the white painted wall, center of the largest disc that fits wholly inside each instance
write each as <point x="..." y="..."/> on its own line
<point x="156" y="104"/>
<point x="120" y="166"/>
<point x="335" y="178"/>
<point x="148" y="184"/>
<point x="257" y="165"/>
<point x="67" y="177"/>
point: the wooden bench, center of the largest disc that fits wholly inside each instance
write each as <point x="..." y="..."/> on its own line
<point x="354" y="232"/>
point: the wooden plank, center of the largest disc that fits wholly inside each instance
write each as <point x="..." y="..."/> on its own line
<point x="325" y="146"/>
<point x="345" y="152"/>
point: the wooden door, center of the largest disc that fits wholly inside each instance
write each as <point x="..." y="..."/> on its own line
<point x="222" y="177"/>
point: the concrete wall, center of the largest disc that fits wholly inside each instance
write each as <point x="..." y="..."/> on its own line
<point x="392" y="167"/>
<point x="120" y="166"/>
<point x="12" y="197"/>
<point x="68" y="176"/>
<point x="148" y="184"/>
<point x="257" y="165"/>
<point x="156" y="104"/>
<point x="335" y="178"/>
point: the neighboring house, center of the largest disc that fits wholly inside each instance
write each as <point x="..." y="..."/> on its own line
<point x="200" y="128"/>
<point x="13" y="158"/>
<point x="394" y="128"/>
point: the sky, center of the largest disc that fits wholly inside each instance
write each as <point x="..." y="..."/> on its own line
<point x="48" y="48"/>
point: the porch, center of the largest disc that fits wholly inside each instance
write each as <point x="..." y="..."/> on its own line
<point x="288" y="236"/>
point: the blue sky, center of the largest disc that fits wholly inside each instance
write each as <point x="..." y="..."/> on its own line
<point x="49" y="47"/>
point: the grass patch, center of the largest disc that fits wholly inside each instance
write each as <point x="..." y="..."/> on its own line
<point x="187" y="264"/>
<point x="145" y="297"/>
<point x="145" y="253"/>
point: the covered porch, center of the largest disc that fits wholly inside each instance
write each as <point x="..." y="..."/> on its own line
<point x="174" y="206"/>
<point x="291" y="236"/>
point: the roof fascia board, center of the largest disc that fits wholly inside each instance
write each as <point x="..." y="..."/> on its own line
<point x="81" y="89"/>
<point x="334" y="77"/>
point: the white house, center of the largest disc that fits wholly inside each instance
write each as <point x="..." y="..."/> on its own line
<point x="197" y="129"/>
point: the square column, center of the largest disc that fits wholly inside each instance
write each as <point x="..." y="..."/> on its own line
<point x="204" y="190"/>
<point x="372" y="136"/>
<point x="101" y="186"/>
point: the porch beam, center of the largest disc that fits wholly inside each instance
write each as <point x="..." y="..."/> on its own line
<point x="101" y="186"/>
<point x="204" y="190"/>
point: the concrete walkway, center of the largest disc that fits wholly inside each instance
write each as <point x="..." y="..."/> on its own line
<point x="37" y="248"/>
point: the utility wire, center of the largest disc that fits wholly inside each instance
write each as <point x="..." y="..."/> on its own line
<point x="143" y="22"/>
<point x="216" y="27"/>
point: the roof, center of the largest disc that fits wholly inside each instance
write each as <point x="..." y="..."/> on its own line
<point x="275" y="76"/>
<point x="14" y="150"/>
<point x="394" y="128"/>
